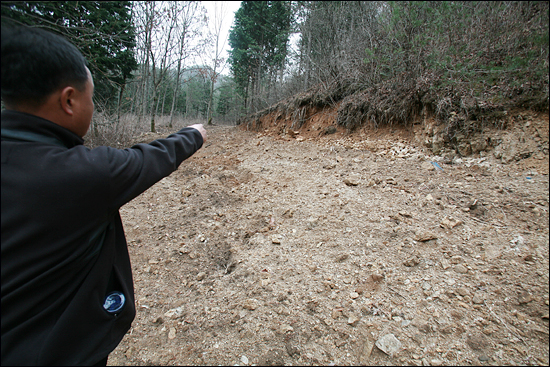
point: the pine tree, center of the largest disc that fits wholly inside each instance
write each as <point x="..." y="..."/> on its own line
<point x="259" y="40"/>
<point x="102" y="31"/>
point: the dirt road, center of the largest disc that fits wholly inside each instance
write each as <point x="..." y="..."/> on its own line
<point x="261" y="250"/>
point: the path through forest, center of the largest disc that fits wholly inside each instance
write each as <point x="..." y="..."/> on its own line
<point x="270" y="250"/>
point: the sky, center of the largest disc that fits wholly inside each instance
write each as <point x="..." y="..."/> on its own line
<point x="228" y="13"/>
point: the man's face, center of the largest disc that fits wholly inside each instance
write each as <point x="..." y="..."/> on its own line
<point x="85" y="110"/>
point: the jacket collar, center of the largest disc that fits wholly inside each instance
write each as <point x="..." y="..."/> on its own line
<point x="20" y="126"/>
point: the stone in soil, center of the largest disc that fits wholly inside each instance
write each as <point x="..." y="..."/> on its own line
<point x="389" y="344"/>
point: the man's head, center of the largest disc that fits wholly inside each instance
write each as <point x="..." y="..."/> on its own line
<point x="45" y="75"/>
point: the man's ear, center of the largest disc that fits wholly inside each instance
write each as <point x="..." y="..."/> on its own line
<point x="67" y="100"/>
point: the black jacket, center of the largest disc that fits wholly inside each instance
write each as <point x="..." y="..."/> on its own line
<point x="63" y="244"/>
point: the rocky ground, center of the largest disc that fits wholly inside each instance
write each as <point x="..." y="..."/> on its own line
<point x="307" y="248"/>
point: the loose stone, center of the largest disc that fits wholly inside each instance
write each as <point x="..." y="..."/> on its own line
<point x="389" y="344"/>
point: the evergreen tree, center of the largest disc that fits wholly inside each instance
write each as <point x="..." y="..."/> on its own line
<point x="102" y="30"/>
<point x="226" y="100"/>
<point x="259" y="41"/>
<point x="197" y="90"/>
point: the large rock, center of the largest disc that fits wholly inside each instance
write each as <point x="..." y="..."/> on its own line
<point x="423" y="236"/>
<point x="352" y="180"/>
<point x="389" y="344"/>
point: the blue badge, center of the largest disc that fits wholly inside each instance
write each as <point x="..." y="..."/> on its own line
<point x="114" y="302"/>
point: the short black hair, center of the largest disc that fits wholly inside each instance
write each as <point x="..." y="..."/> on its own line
<point x="35" y="63"/>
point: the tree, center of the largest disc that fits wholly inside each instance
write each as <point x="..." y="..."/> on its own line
<point x="165" y="34"/>
<point x="188" y="30"/>
<point x="259" y="41"/>
<point x="102" y="31"/>
<point x="229" y="101"/>
<point x="217" y="62"/>
<point x="197" y="91"/>
<point x="334" y="36"/>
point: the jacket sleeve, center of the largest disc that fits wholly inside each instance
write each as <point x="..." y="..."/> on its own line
<point x="134" y="170"/>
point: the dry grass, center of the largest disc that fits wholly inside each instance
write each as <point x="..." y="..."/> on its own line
<point x="105" y="131"/>
<point x="402" y="100"/>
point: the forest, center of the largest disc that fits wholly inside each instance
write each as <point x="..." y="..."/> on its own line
<point x="390" y="61"/>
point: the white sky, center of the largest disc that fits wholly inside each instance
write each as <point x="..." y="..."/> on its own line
<point x="228" y="9"/>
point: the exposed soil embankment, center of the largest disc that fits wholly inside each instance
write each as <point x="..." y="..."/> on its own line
<point x="520" y="136"/>
<point x="509" y="122"/>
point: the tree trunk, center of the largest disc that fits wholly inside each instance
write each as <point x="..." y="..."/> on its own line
<point x="164" y="98"/>
<point x="121" y="91"/>
<point x="188" y="101"/>
<point x="210" y="99"/>
<point x="148" y="45"/>
<point x="153" y="111"/>
<point x="307" y="67"/>
<point x="178" y="73"/>
<point x="176" y="89"/>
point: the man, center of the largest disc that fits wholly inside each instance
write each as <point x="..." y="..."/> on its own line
<point x="67" y="289"/>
